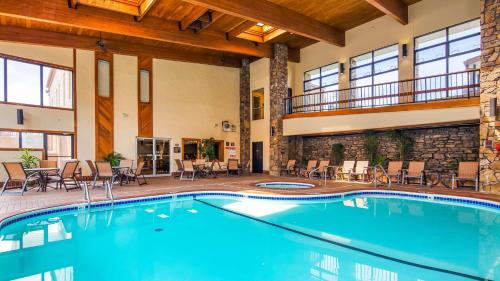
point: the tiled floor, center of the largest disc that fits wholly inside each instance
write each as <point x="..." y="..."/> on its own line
<point x="11" y="204"/>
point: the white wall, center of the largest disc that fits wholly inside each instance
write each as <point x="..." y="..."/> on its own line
<point x="36" y="118"/>
<point x="424" y="16"/>
<point x="125" y="104"/>
<point x="191" y="101"/>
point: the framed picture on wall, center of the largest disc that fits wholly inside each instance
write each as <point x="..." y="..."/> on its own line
<point x="177" y="149"/>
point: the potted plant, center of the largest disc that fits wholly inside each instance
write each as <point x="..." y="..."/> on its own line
<point x="114" y="158"/>
<point x="337" y="154"/>
<point x="28" y="160"/>
<point x="404" y="143"/>
<point x="207" y="149"/>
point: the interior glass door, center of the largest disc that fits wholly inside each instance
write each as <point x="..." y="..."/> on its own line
<point x="162" y="156"/>
<point x="145" y="153"/>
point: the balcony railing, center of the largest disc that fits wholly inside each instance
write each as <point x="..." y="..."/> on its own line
<point x="458" y="85"/>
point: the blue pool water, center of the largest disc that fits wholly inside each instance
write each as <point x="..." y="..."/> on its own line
<point x="360" y="238"/>
<point x="285" y="185"/>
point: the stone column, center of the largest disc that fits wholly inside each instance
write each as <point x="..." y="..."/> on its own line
<point x="490" y="85"/>
<point x="245" y="111"/>
<point x="278" y="151"/>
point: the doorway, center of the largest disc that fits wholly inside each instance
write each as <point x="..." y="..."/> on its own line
<point x="155" y="152"/>
<point x="257" y="157"/>
<point x="190" y="148"/>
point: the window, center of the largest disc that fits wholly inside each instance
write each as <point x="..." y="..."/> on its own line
<point x="59" y="148"/>
<point x="36" y="84"/>
<point x="144" y="81"/>
<point x="324" y="80"/>
<point x="258" y="104"/>
<point x="9" y="139"/>
<point x="103" y="76"/>
<point x="450" y="50"/>
<point x="376" y="67"/>
<point x="32" y="140"/>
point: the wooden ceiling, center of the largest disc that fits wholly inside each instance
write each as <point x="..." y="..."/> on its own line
<point x="202" y="31"/>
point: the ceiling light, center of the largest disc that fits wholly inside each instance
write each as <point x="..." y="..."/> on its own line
<point x="260" y="24"/>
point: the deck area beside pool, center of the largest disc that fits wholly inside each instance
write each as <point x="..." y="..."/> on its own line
<point x="11" y="204"/>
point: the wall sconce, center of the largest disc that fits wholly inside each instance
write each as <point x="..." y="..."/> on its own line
<point x="493" y="106"/>
<point x="273" y="131"/>
<point x="342" y="68"/>
<point x="405" y="50"/>
<point x="20" y="117"/>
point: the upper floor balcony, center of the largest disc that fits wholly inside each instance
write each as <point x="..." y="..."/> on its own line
<point x="440" y="99"/>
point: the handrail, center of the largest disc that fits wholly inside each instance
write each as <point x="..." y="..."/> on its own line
<point x="457" y="85"/>
<point x="384" y="174"/>
<point x="86" y="194"/>
<point x="109" y="191"/>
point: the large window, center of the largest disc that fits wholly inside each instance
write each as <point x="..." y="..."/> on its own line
<point x="376" y="67"/>
<point x="258" y="104"/>
<point x="450" y="50"/>
<point x="323" y="80"/>
<point x="36" y="84"/>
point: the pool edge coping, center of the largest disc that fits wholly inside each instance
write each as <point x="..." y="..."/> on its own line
<point x="468" y="201"/>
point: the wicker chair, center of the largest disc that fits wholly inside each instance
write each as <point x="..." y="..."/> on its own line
<point x="289" y="169"/>
<point x="66" y="177"/>
<point x="467" y="171"/>
<point x="395" y="170"/>
<point x="416" y="171"/>
<point x="344" y="172"/>
<point x="16" y="173"/>
<point x="311" y="165"/>
<point x="188" y="168"/>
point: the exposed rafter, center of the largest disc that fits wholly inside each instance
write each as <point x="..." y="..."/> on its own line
<point x="144" y="8"/>
<point x="48" y="38"/>
<point x="393" y="8"/>
<point x="194" y="15"/>
<point x="277" y="16"/>
<point x="152" y="28"/>
<point x="116" y="6"/>
<point x="237" y="30"/>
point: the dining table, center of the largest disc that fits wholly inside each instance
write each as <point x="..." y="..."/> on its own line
<point x="119" y="172"/>
<point x="43" y="174"/>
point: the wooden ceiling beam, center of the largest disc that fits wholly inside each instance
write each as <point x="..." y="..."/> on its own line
<point x="49" y="38"/>
<point x="116" y="6"/>
<point x="144" y="8"/>
<point x="195" y="14"/>
<point x="396" y="9"/>
<point x="152" y="28"/>
<point x="216" y="15"/>
<point x="277" y="16"/>
<point x="242" y="27"/>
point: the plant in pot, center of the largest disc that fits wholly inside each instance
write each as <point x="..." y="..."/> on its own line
<point x="404" y="143"/>
<point x="371" y="146"/>
<point x="114" y="158"/>
<point x="337" y="154"/>
<point x="207" y="149"/>
<point x="28" y="160"/>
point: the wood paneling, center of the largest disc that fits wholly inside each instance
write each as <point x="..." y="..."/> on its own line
<point x="393" y="8"/>
<point x="145" y="110"/>
<point x="195" y="13"/>
<point x="277" y="16"/>
<point x="104" y="113"/>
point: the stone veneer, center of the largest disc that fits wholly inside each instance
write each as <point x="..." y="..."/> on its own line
<point x="278" y="149"/>
<point x="490" y="84"/>
<point x="245" y="111"/>
<point x="440" y="148"/>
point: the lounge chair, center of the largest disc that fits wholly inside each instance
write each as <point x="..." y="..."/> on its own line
<point x="361" y="170"/>
<point x="467" y="171"/>
<point x="320" y="170"/>
<point x="93" y="172"/>
<point x="415" y="171"/>
<point x="233" y="167"/>
<point x="344" y="172"/>
<point x="136" y="175"/>
<point x="15" y="173"/>
<point x="289" y="169"/>
<point x="395" y="170"/>
<point x="105" y="172"/>
<point x="125" y="168"/>
<point x="218" y="168"/>
<point x="311" y="165"/>
<point x="66" y="177"/>
<point x="180" y="168"/>
<point x="188" y="169"/>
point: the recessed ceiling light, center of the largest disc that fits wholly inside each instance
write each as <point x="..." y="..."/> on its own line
<point x="260" y="24"/>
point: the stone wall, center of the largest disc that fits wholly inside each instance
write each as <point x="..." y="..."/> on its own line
<point x="278" y="150"/>
<point x="440" y="148"/>
<point x="490" y="84"/>
<point x="245" y="111"/>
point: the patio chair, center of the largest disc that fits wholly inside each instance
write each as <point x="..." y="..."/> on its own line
<point x="415" y="171"/>
<point x="345" y="170"/>
<point x="66" y="176"/>
<point x="233" y="167"/>
<point x="218" y="168"/>
<point x="125" y="168"/>
<point x="49" y="164"/>
<point x="93" y="172"/>
<point x="467" y="171"/>
<point x="320" y="170"/>
<point x="105" y="172"/>
<point x="136" y="175"/>
<point x="15" y="173"/>
<point x="395" y="169"/>
<point x="361" y="170"/>
<point x="289" y="169"/>
<point x="311" y="165"/>
<point x="180" y="168"/>
<point x="188" y="168"/>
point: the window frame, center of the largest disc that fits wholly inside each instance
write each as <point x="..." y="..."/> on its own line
<point x="320" y="88"/>
<point x="372" y="64"/>
<point x="44" y="136"/>
<point x="446" y="43"/>
<point x="5" y="58"/>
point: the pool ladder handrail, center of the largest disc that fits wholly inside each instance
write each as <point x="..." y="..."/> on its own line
<point x="384" y="173"/>
<point x="109" y="190"/>
<point x="86" y="194"/>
